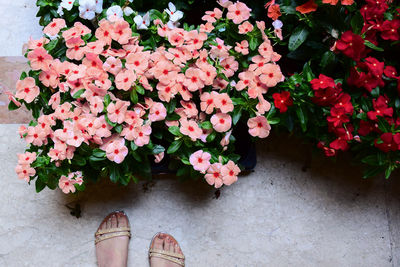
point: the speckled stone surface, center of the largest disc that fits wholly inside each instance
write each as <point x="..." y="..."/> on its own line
<point x="18" y="22"/>
<point x="292" y="211"/>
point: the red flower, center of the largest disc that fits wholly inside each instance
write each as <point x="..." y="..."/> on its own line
<point x="390" y="30"/>
<point x="365" y="128"/>
<point x="344" y="102"/>
<point x="374" y="66"/>
<point x="381" y="108"/>
<point x="322" y="82"/>
<point x="329" y="152"/>
<point x="339" y="144"/>
<point x="338" y="117"/>
<point x="391" y="72"/>
<point x="327" y="96"/>
<point x="282" y="101"/>
<point x="352" y="45"/>
<point x="308" y="7"/>
<point x="388" y="142"/>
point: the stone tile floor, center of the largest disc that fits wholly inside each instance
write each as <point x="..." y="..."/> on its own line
<point x="293" y="210"/>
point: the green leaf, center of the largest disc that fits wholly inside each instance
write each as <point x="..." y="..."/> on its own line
<point x="302" y="118"/>
<point x="171" y="106"/>
<point x="12" y="106"/>
<point x="308" y="72"/>
<point x="134" y="96"/>
<point x="79" y="160"/>
<point x="118" y="128"/>
<point x="174" y="146"/>
<point x="372" y="171"/>
<point x="273" y="121"/>
<point x="328" y="58"/>
<point x="175" y="130"/>
<point x="383" y="124"/>
<point x="139" y="89"/>
<point x="375" y="92"/>
<point x="23" y="75"/>
<point x="237" y="113"/>
<point x="211" y="137"/>
<point x="206" y="125"/>
<point x="78" y="93"/>
<point x="357" y="22"/>
<point x="115" y="173"/>
<point x="107" y="100"/>
<point x="39" y="185"/>
<point x="97" y="152"/>
<point x="253" y="43"/>
<point x="372" y="46"/>
<point x="298" y="37"/>
<point x="51" y="45"/>
<point x="133" y="146"/>
<point x="109" y="122"/>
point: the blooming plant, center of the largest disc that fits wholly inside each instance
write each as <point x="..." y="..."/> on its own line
<point x="345" y="95"/>
<point x="112" y="90"/>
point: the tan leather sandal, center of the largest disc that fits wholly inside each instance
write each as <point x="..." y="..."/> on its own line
<point x="104" y="234"/>
<point x="177" y="258"/>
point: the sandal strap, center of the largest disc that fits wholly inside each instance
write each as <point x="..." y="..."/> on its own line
<point x="180" y="261"/>
<point x="112" y="230"/>
<point x="111" y="235"/>
<point x="167" y="253"/>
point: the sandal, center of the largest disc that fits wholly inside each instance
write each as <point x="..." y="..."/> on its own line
<point x="177" y="258"/>
<point x="104" y="234"/>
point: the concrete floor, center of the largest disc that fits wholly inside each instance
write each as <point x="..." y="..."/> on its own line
<point x="294" y="210"/>
<point x="289" y="212"/>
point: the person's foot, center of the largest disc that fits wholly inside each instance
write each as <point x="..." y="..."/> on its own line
<point x="112" y="245"/>
<point x="165" y="252"/>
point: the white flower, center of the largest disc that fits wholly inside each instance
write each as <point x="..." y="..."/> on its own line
<point x="60" y="11"/>
<point x="277" y="24"/>
<point x="174" y="15"/>
<point x="142" y="23"/>
<point x="87" y="9"/>
<point x="128" y="11"/>
<point x="67" y="4"/>
<point x="99" y="6"/>
<point x="114" y="13"/>
<point x="172" y="25"/>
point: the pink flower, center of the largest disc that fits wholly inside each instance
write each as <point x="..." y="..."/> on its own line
<point x="259" y="126"/>
<point x="271" y="75"/>
<point x="157" y="112"/>
<point x="121" y="32"/>
<point x="221" y="122"/>
<point x="39" y="59"/>
<point x="36" y="136"/>
<point x="213" y="176"/>
<point x="200" y="160"/>
<point x="32" y="44"/>
<point x="66" y="184"/>
<point x="194" y="79"/>
<point x="24" y="172"/>
<point x="266" y="50"/>
<point x="54" y="27"/>
<point x="54" y="100"/>
<point x="245" y="27"/>
<point x="103" y="32"/>
<point x="191" y="129"/>
<point x="142" y="135"/>
<point x="238" y="12"/>
<point x="208" y="101"/>
<point x="229" y="173"/>
<point x="125" y="79"/>
<point x="224" y="103"/>
<point x="116" y="112"/>
<point x="116" y="150"/>
<point x="27" y="158"/>
<point x="189" y="108"/>
<point x="158" y="157"/>
<point x="230" y="66"/>
<point x="96" y="105"/>
<point x="138" y="62"/>
<point x="242" y="47"/>
<point x="212" y="16"/>
<point x="27" y="89"/>
<point x="75" y="48"/>
<point x="102" y="127"/>
<point x="246" y="78"/>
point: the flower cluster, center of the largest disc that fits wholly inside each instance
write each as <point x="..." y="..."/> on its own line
<point x="110" y="95"/>
<point x="346" y="96"/>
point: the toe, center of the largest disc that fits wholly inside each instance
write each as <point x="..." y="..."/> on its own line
<point x="158" y="242"/>
<point x="167" y="244"/>
<point x="114" y="221"/>
<point x="122" y="220"/>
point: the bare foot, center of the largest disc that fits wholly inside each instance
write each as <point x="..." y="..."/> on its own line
<point x="113" y="252"/>
<point x="165" y="243"/>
